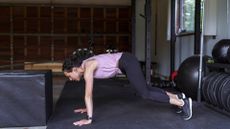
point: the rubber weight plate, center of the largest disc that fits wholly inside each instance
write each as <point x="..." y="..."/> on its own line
<point x="205" y="85"/>
<point x="213" y="92"/>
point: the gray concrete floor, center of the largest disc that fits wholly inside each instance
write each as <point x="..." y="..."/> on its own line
<point x="58" y="84"/>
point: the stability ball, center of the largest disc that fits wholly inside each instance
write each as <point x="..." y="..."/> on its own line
<point x="188" y="74"/>
<point x="220" y="51"/>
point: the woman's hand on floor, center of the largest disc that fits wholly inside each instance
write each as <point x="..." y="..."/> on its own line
<point x="82" y="122"/>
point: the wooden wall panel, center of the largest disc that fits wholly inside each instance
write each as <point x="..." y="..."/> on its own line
<point x="72" y="26"/>
<point x="4" y="11"/>
<point x="72" y="12"/>
<point x="50" y="33"/>
<point x="5" y="25"/>
<point x="99" y="45"/>
<point x="85" y="26"/>
<point x="84" y="42"/>
<point x="18" y="25"/>
<point x="32" y="11"/>
<point x="72" y="44"/>
<point x="19" y="48"/>
<point x="45" y="48"/>
<point x="111" y="27"/>
<point x="5" y="50"/>
<point x="59" y="46"/>
<point x="124" y="13"/>
<point x="111" y="42"/>
<point x="124" y="43"/>
<point x="85" y="12"/>
<point x="72" y="20"/>
<point x="32" y="49"/>
<point x="124" y="27"/>
<point x="59" y="25"/>
<point x="45" y="20"/>
<point x="45" y="25"/>
<point x="5" y="20"/>
<point x="45" y="12"/>
<point x="98" y="26"/>
<point x="98" y="13"/>
<point x="59" y="12"/>
<point x="32" y="25"/>
<point x="18" y="11"/>
<point x="111" y="13"/>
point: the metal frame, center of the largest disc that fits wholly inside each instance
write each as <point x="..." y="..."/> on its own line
<point x="148" y="40"/>
<point x="201" y="74"/>
<point x="197" y="37"/>
<point x="133" y="33"/>
<point x="172" y="37"/>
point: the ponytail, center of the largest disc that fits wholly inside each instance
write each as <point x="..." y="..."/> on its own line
<point x="76" y="59"/>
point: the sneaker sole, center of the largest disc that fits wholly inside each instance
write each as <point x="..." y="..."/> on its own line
<point x="190" y="108"/>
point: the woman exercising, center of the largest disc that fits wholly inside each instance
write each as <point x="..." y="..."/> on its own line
<point x="84" y="64"/>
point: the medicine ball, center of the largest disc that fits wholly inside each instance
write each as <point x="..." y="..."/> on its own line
<point x="188" y="75"/>
<point x="220" y="51"/>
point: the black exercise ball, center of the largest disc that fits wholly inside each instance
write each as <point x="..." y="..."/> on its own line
<point x="228" y="55"/>
<point x="220" y="51"/>
<point x="188" y="75"/>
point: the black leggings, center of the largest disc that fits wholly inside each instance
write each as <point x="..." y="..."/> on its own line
<point x="130" y="66"/>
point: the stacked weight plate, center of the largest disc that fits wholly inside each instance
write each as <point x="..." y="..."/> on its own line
<point x="216" y="90"/>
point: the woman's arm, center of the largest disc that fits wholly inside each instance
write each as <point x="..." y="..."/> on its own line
<point x="90" y="66"/>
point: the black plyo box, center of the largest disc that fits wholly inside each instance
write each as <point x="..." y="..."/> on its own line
<point x="26" y="98"/>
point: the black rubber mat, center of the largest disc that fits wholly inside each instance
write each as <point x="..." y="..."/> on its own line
<point x="116" y="106"/>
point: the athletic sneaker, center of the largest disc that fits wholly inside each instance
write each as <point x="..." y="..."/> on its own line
<point x="187" y="108"/>
<point x="180" y="96"/>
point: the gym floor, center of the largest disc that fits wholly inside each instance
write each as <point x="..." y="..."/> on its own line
<point x="117" y="106"/>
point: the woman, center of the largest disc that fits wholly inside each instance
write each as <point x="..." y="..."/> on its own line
<point x="83" y="64"/>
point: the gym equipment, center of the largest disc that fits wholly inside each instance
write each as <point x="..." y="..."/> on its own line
<point x="224" y="94"/>
<point x="228" y="55"/>
<point x="188" y="73"/>
<point x="216" y="90"/>
<point x="215" y="87"/>
<point x="228" y="102"/>
<point x="206" y="84"/>
<point x="206" y="80"/>
<point x="26" y="98"/>
<point x="220" y="51"/>
<point x="211" y="85"/>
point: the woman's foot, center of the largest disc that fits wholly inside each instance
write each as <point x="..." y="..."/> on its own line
<point x="187" y="109"/>
<point x="178" y="108"/>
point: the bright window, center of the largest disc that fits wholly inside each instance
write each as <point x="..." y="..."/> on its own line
<point x="185" y="16"/>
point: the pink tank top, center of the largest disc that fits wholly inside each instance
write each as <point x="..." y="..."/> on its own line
<point x="107" y="65"/>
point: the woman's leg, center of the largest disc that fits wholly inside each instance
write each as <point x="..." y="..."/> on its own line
<point x="130" y="65"/>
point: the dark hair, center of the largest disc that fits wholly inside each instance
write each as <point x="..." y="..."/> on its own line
<point x="76" y="59"/>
